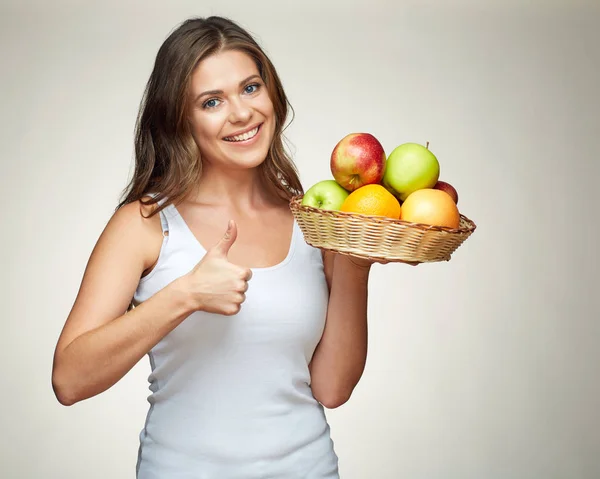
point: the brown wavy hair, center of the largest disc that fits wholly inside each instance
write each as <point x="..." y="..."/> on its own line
<point x="167" y="158"/>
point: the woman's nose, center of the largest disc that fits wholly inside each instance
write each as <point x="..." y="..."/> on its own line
<point x="240" y="112"/>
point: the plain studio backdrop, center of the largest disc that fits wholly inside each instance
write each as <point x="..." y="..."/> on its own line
<point x="483" y="367"/>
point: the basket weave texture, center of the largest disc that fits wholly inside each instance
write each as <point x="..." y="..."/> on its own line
<point x="376" y="237"/>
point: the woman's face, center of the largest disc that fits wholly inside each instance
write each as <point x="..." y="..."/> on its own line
<point x="231" y="114"/>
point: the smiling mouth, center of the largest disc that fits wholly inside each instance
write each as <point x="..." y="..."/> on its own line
<point x="244" y="136"/>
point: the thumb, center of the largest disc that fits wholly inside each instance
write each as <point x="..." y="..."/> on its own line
<point x="224" y="244"/>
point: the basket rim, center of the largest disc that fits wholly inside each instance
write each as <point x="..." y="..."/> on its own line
<point x="295" y="202"/>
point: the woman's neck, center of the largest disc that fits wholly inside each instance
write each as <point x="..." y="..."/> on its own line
<point x="242" y="190"/>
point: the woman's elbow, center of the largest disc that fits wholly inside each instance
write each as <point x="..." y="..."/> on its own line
<point x="63" y="388"/>
<point x="62" y="395"/>
<point x="333" y="399"/>
<point x="334" y="403"/>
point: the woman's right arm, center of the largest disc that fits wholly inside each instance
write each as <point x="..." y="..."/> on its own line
<point x="100" y="341"/>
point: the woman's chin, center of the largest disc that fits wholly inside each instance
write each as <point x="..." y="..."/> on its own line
<point x="248" y="161"/>
<point x="251" y="158"/>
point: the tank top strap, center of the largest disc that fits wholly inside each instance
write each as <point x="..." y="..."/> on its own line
<point x="164" y="222"/>
<point x="304" y="251"/>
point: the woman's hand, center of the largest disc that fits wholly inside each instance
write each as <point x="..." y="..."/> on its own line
<point x="216" y="285"/>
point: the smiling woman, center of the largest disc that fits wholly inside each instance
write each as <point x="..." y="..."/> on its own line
<point x="232" y="126"/>
<point x="207" y="72"/>
<point x="250" y="332"/>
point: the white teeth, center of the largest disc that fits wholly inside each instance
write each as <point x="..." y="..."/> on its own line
<point x="245" y="136"/>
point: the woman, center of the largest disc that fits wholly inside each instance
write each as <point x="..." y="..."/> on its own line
<point x="250" y="332"/>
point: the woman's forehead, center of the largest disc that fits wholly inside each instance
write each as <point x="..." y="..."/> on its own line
<point x="222" y="71"/>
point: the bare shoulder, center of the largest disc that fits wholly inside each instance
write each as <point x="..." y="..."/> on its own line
<point x="135" y="214"/>
<point x="127" y="247"/>
<point x="137" y="225"/>
<point x="129" y="244"/>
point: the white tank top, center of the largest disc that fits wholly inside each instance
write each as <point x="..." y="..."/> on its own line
<point x="230" y="394"/>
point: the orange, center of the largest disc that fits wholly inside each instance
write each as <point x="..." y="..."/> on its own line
<point x="372" y="200"/>
<point x="431" y="207"/>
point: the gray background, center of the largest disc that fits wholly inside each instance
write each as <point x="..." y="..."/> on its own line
<point x="482" y="367"/>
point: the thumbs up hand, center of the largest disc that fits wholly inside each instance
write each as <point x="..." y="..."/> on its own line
<point x="215" y="284"/>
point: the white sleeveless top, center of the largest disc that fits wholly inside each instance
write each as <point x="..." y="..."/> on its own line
<point x="230" y="394"/>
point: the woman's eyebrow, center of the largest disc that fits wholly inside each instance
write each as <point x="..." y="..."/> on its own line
<point x="220" y="92"/>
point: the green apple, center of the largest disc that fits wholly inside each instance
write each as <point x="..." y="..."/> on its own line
<point x="410" y="167"/>
<point x="326" y="195"/>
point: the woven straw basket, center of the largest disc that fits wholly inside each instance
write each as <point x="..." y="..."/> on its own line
<point x="378" y="238"/>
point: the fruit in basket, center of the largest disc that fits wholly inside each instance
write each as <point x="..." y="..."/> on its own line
<point x="372" y="200"/>
<point x="410" y="167"/>
<point x="326" y="195"/>
<point x="358" y="159"/>
<point x="431" y="207"/>
<point x="391" y="190"/>
<point x="448" y="188"/>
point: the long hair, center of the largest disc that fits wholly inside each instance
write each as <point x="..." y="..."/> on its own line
<point x="167" y="158"/>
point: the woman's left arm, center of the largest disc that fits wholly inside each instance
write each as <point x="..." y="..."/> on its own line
<point x="339" y="359"/>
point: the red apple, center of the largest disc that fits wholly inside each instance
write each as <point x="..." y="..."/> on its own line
<point x="357" y="160"/>
<point x="448" y="188"/>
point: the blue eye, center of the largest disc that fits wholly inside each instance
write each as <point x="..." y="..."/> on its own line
<point x="212" y="103"/>
<point x="252" y="88"/>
